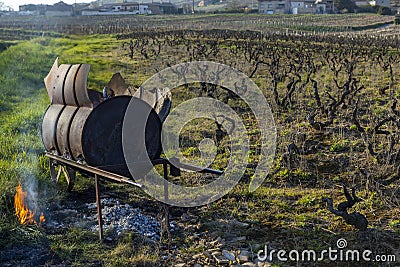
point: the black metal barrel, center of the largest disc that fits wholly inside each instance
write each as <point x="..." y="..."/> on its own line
<point x="102" y="135"/>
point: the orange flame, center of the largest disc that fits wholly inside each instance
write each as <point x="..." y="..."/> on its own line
<point x="41" y="218"/>
<point x="24" y="215"/>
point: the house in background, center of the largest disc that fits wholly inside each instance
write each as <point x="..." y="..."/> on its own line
<point x="162" y="8"/>
<point x="131" y="8"/>
<point x="34" y="9"/>
<point x="362" y="3"/>
<point x="303" y="7"/>
<point x="324" y="7"/>
<point x="395" y="6"/>
<point x="59" y="9"/>
<point x="127" y="8"/>
<point x="122" y="7"/>
<point x="273" y="6"/>
<point x="296" y="6"/>
<point x="384" y="3"/>
<point x="78" y="7"/>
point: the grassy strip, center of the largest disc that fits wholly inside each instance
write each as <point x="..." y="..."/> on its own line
<point x="22" y="103"/>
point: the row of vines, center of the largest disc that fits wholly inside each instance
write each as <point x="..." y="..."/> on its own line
<point x="334" y="98"/>
<point x="115" y="24"/>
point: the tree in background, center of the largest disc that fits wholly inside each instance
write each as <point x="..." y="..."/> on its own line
<point x="345" y="6"/>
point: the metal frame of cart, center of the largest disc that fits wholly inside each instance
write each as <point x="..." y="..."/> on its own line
<point x="69" y="168"/>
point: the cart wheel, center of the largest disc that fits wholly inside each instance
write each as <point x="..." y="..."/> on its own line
<point x="57" y="169"/>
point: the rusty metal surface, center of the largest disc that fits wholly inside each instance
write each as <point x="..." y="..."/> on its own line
<point x="75" y="91"/>
<point x="75" y="135"/>
<point x="70" y="106"/>
<point x="81" y="86"/>
<point x="67" y="84"/>
<point x="159" y="99"/>
<point x="95" y="97"/>
<point x="98" y="206"/>
<point x="92" y="170"/>
<point x="50" y="79"/>
<point x="49" y="127"/>
<point x="80" y="125"/>
<point x="58" y="96"/>
<point x="118" y="86"/>
<point x="63" y="130"/>
<point x="69" y="90"/>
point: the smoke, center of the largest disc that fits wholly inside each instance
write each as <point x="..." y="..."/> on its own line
<point x="28" y="168"/>
<point x="30" y="185"/>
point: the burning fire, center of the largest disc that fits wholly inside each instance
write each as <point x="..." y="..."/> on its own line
<point x="41" y="218"/>
<point x="24" y="215"/>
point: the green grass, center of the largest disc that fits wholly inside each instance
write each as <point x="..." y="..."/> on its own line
<point x="22" y="69"/>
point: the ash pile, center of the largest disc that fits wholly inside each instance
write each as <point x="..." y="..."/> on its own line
<point x="119" y="217"/>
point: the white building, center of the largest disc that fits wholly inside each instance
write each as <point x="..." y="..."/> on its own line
<point x="273" y="6"/>
<point x="384" y="3"/>
<point x="130" y="8"/>
<point x="296" y="6"/>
